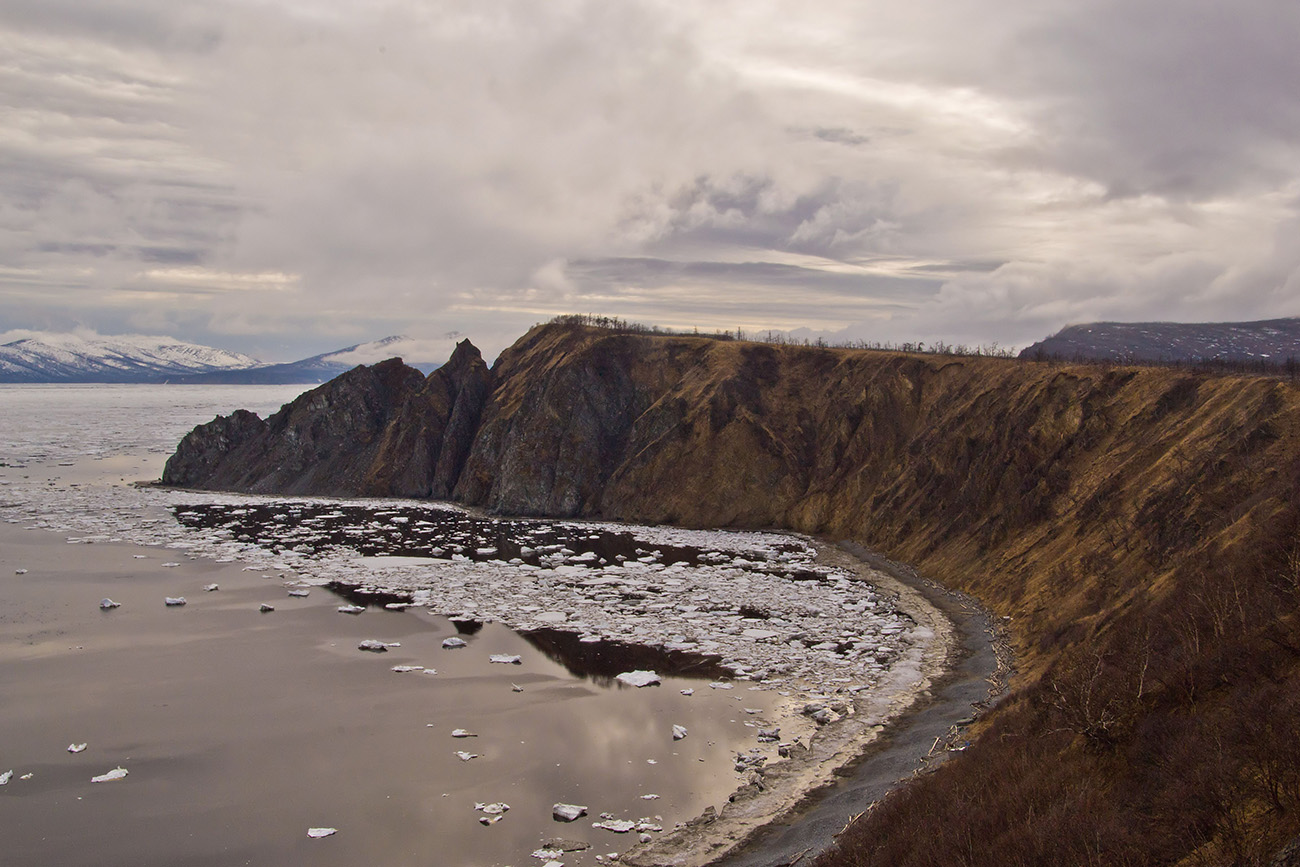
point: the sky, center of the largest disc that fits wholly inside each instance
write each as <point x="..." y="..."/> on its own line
<point x="287" y="177"/>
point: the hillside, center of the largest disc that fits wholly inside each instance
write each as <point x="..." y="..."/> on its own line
<point x="1274" y="341"/>
<point x="1138" y="526"/>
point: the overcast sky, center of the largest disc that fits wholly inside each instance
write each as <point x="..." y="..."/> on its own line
<point x="284" y="177"/>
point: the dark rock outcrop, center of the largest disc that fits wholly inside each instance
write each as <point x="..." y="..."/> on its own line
<point x="382" y="430"/>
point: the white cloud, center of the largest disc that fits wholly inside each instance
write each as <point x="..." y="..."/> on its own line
<point x="932" y="169"/>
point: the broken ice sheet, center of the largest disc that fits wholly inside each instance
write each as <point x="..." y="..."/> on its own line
<point x="208" y="588"/>
<point x="115" y="774"/>
<point x="404" y="669"/>
<point x="316" y="833"/>
<point x="679" y="732"/>
<point x="568" y="812"/>
<point x="464" y="756"/>
<point x="174" y="601"/>
<point x="108" y="604"/>
<point x="506" y="658"/>
<point x="76" y="748"/>
<point x="462" y="733"/>
<point x="6" y="777"/>
<point x="618" y="826"/>
<point x="351" y="609"/>
<point x="373" y="646"/>
<point x="638" y="678"/>
<point x="453" y="643"/>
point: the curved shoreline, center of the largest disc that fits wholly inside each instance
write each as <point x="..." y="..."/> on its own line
<point x="797" y="809"/>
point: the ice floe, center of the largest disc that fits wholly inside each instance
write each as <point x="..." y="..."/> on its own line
<point x="115" y="774"/>
<point x="568" y="812"/>
<point x="317" y="833"/>
<point x="638" y="678"/>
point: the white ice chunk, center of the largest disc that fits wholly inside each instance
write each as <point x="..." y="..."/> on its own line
<point x="264" y="608"/>
<point x="453" y="643"/>
<point x="108" y="604"/>
<point x="6" y="777"/>
<point x="115" y="774"/>
<point x="462" y="733"/>
<point x="638" y="678"/>
<point x="679" y="732"/>
<point x="464" y="756"/>
<point x="208" y="588"/>
<point x="492" y="809"/>
<point x="618" y="826"/>
<point x="76" y="748"/>
<point x="506" y="659"/>
<point x="351" y="609"/>
<point x="316" y="833"/>
<point x="568" y="812"/>
<point x="373" y="646"/>
<point x="403" y="669"/>
<point x="299" y="592"/>
<point x="174" y="601"/>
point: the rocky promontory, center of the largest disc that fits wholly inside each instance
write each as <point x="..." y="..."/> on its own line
<point x="1136" y="527"/>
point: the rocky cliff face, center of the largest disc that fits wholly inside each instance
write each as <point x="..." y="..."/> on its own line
<point x="384" y="430"/>
<point x="1137" y="525"/>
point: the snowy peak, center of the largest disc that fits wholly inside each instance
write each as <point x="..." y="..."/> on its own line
<point x="121" y="358"/>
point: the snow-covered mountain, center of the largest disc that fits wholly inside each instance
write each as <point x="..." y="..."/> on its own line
<point x="1272" y="340"/>
<point x="317" y="368"/>
<point x="123" y="358"/>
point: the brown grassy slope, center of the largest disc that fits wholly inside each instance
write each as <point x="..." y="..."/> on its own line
<point x="1138" y="525"/>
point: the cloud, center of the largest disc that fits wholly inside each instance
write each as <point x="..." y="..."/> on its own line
<point x="418" y="168"/>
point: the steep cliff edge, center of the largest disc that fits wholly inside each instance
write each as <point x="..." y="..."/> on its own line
<point x="383" y="430"/>
<point x="1138" y="526"/>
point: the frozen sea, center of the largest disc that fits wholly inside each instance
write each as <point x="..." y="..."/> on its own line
<point x="280" y="722"/>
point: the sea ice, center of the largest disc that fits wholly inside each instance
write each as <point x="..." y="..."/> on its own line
<point x="115" y="774"/>
<point x="568" y="812"/>
<point x="208" y="588"/>
<point x="373" y="646"/>
<point x="265" y="608"/>
<point x="638" y="678"/>
<point x="174" y="601"/>
<point x="453" y="643"/>
<point x="506" y="659"/>
<point x="76" y="748"/>
<point x="6" y="777"/>
<point x="316" y="833"/>
<point x="679" y="732"/>
<point x="462" y="733"/>
<point x="351" y="609"/>
<point x="108" y="604"/>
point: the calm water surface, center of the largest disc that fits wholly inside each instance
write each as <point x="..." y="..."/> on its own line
<point x="242" y="729"/>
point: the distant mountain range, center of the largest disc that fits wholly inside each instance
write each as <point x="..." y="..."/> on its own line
<point x="53" y="358"/>
<point x="1272" y="340"/>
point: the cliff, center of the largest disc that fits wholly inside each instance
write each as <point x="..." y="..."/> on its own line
<point x="1138" y="527"/>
